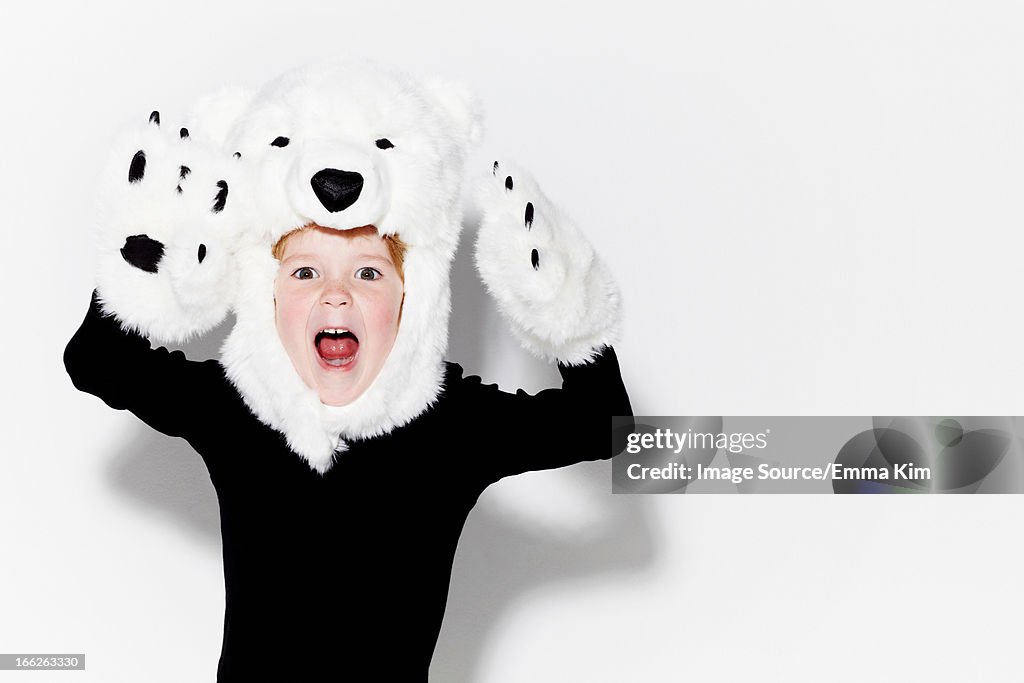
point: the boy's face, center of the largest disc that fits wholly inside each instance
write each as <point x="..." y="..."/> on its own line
<point x="343" y="281"/>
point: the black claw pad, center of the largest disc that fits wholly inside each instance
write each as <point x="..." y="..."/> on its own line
<point x="142" y="252"/>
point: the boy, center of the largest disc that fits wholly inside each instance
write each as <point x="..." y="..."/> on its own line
<point x="343" y="575"/>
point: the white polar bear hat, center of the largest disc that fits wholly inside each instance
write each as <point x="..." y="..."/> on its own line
<point x="398" y="148"/>
<point x="190" y="215"/>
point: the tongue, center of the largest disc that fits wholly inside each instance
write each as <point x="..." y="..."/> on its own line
<point x="337" y="348"/>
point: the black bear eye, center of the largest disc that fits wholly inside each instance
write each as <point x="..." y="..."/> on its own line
<point x="280" y="141"/>
<point x="384" y="143"/>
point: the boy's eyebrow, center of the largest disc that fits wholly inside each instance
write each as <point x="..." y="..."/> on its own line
<point x="365" y="256"/>
<point x="301" y="255"/>
<point x="374" y="257"/>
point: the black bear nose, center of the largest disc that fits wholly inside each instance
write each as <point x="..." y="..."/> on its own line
<point x="142" y="252"/>
<point x="337" y="190"/>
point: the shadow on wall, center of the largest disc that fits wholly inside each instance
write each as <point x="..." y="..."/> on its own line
<point x="165" y="473"/>
<point x="499" y="559"/>
<point x="497" y="563"/>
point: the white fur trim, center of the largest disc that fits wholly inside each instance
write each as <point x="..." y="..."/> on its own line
<point x="568" y="306"/>
<point x="259" y="367"/>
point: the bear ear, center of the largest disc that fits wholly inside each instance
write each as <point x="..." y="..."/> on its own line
<point x="461" y="104"/>
<point x="213" y="116"/>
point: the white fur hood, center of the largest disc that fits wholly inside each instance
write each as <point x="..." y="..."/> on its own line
<point x="407" y="140"/>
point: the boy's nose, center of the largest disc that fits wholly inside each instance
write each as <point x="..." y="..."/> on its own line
<point x="336" y="294"/>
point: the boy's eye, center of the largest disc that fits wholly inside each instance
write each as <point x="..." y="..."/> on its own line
<point x="368" y="273"/>
<point x="305" y="273"/>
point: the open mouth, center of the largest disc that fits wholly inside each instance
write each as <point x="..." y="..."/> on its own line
<point x="336" y="346"/>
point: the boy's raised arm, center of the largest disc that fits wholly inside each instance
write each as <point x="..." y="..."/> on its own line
<point x="520" y="432"/>
<point x="563" y="306"/>
<point x="163" y="388"/>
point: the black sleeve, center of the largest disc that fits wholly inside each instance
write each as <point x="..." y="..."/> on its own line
<point x="520" y="432"/>
<point x="164" y="389"/>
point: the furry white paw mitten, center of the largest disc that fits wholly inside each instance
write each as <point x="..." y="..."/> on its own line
<point x="558" y="296"/>
<point x="170" y="218"/>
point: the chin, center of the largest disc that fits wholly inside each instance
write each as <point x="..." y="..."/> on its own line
<point x="339" y="396"/>
<point x="336" y="397"/>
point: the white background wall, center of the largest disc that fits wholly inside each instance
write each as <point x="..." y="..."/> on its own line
<point x="813" y="208"/>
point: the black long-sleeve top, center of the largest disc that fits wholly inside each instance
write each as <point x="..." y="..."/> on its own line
<point x="344" y="576"/>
